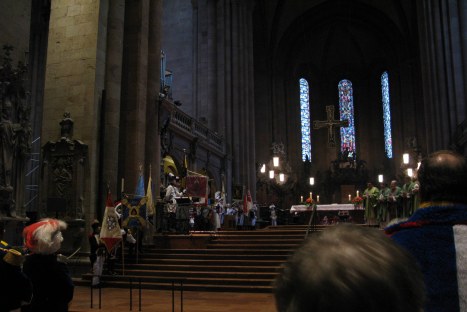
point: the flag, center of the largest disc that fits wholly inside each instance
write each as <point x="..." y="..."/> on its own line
<point x="110" y="230"/>
<point x="151" y="209"/>
<point x="139" y="191"/>
<point x="184" y="173"/>
<point x="135" y="209"/>
<point x="196" y="186"/>
<point x="223" y="194"/>
<point x="247" y="202"/>
<point x="185" y="163"/>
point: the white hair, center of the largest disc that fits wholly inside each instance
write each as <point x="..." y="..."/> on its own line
<point x="45" y="236"/>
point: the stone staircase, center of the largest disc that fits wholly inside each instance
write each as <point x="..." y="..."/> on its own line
<point x="234" y="261"/>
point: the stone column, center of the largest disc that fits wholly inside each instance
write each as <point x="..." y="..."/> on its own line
<point x="235" y="89"/>
<point x="74" y="78"/>
<point x="134" y="92"/>
<point x="153" y="144"/>
<point x="224" y="90"/>
<point x="40" y="12"/>
<point x="205" y="62"/>
<point x="113" y="89"/>
<point x="442" y="46"/>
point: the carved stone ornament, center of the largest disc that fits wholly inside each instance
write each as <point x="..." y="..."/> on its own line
<point x="63" y="174"/>
<point x="15" y="136"/>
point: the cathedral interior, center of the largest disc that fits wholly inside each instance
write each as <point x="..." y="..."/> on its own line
<point x="98" y="92"/>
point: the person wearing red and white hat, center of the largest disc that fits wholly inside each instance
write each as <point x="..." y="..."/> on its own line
<point x="52" y="284"/>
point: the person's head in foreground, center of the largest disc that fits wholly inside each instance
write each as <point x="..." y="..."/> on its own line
<point x="350" y="268"/>
<point x="442" y="177"/>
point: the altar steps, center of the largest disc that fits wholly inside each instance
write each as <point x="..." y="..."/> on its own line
<point x="234" y="261"/>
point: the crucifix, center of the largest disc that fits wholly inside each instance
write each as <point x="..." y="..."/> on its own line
<point x="330" y="123"/>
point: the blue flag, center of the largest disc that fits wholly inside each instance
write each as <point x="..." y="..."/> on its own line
<point x="134" y="209"/>
<point x="139" y="192"/>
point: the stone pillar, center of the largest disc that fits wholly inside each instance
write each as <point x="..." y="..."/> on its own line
<point x="235" y="98"/>
<point x="224" y="91"/>
<point x="205" y="62"/>
<point x="134" y="93"/>
<point x="211" y="104"/>
<point x="40" y="13"/>
<point x="111" y="108"/>
<point x="139" y="137"/>
<point x="153" y="144"/>
<point x="442" y="48"/>
<point x="74" y="78"/>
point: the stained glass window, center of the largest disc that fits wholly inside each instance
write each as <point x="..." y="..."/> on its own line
<point x="305" y="119"/>
<point x="386" y="114"/>
<point x="347" y="113"/>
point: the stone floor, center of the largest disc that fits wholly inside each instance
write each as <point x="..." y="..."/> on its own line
<point x="115" y="299"/>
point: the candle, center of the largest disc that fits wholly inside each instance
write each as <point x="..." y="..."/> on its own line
<point x="317" y="198"/>
<point x="350" y="197"/>
<point x="311" y="194"/>
<point x="301" y="199"/>
<point x="357" y="193"/>
<point x="123" y="184"/>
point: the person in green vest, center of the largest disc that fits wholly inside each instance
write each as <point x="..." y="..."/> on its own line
<point x="383" y="203"/>
<point x="407" y="198"/>
<point x="370" y="202"/>
<point x="394" y="201"/>
<point x="415" y="194"/>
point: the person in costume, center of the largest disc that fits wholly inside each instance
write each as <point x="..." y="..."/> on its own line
<point x="436" y="234"/>
<point x="239" y="217"/>
<point x="219" y="206"/>
<point x="394" y="201"/>
<point x="415" y="195"/>
<point x="171" y="193"/>
<point x="273" y="215"/>
<point x="407" y="198"/>
<point x="252" y="216"/>
<point x="370" y="202"/>
<point x="52" y="284"/>
<point x="15" y="287"/>
<point x="97" y="252"/>
<point x="382" y="216"/>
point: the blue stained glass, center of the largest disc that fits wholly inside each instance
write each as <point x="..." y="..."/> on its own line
<point x="386" y="114"/>
<point x="305" y="119"/>
<point x="347" y="113"/>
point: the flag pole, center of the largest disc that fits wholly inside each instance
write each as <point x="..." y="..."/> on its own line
<point x="195" y="173"/>
<point x="123" y="258"/>
<point x="137" y="246"/>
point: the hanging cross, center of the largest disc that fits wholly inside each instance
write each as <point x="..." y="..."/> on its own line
<point x="330" y="123"/>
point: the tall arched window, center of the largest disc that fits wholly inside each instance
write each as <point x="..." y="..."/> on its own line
<point x="346" y="113"/>
<point x="386" y="114"/>
<point x="305" y="119"/>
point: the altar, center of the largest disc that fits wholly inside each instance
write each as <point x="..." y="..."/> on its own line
<point x="332" y="207"/>
<point x="333" y="213"/>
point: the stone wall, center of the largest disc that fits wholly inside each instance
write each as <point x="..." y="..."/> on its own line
<point x="14" y="23"/>
<point x="74" y="77"/>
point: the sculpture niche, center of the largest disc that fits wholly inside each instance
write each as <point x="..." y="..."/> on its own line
<point x="15" y="134"/>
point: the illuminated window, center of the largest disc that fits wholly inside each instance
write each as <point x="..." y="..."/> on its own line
<point x="347" y="113"/>
<point x="386" y="114"/>
<point x="305" y="119"/>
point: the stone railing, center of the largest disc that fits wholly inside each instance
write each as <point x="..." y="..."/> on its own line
<point x="186" y="123"/>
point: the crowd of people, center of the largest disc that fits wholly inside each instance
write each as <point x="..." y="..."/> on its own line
<point x="208" y="216"/>
<point x="386" y="203"/>
<point x="419" y="265"/>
